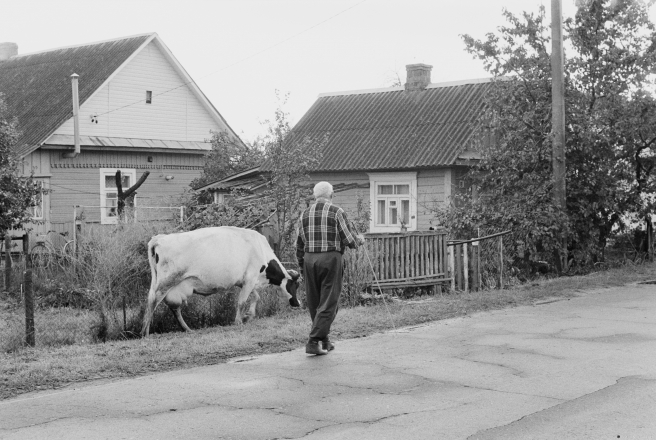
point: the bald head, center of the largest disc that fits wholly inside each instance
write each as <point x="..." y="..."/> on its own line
<point x="323" y="190"/>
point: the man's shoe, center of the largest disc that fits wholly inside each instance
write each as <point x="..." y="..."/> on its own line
<point x="313" y="347"/>
<point x="327" y="345"/>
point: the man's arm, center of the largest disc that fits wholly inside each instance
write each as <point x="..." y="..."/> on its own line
<point x="349" y="238"/>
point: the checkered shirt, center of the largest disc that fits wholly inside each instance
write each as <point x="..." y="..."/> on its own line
<point x="323" y="227"/>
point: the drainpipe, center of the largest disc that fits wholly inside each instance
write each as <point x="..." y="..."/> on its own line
<point x="76" y="119"/>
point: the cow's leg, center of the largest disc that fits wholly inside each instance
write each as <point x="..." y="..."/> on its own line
<point x="255" y="297"/>
<point x="244" y="293"/>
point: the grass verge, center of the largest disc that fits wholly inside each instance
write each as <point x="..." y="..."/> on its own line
<point x="29" y="370"/>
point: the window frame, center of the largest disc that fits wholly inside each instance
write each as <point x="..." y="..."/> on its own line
<point x="401" y="178"/>
<point x="132" y="173"/>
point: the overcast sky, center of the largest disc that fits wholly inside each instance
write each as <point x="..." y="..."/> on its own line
<point x="241" y="51"/>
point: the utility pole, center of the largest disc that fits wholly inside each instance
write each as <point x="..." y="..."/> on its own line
<point x="558" y="115"/>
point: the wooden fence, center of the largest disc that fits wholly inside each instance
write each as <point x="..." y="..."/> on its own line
<point x="464" y="258"/>
<point x="416" y="259"/>
<point x="404" y="259"/>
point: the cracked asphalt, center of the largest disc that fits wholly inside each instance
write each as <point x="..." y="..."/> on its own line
<point x="583" y="368"/>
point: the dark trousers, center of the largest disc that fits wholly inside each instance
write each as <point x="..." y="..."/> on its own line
<point x="323" y="284"/>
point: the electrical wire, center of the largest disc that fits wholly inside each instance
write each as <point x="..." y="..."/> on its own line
<point x="239" y="61"/>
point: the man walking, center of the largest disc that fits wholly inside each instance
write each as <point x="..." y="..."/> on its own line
<point x="323" y="235"/>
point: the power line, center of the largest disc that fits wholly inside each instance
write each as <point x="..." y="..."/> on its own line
<point x="242" y="60"/>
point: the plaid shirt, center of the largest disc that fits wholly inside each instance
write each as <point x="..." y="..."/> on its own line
<point x="323" y="227"/>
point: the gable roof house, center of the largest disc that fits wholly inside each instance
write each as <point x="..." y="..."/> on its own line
<point x="139" y="110"/>
<point x="403" y="149"/>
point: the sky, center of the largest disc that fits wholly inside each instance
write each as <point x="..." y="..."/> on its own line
<point x="242" y="53"/>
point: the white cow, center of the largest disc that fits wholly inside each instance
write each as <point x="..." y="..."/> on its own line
<point x="213" y="260"/>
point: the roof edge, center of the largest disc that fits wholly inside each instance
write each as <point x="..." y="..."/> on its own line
<point x="84" y="44"/>
<point x="401" y="88"/>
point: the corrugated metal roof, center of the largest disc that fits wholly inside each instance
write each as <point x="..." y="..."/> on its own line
<point x="37" y="87"/>
<point x="394" y="129"/>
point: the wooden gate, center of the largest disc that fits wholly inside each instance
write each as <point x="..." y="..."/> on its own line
<point x="408" y="259"/>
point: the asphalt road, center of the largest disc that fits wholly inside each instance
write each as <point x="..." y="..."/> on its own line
<point x="583" y="368"/>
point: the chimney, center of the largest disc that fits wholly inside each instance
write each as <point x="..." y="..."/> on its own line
<point x="8" y="50"/>
<point x="418" y="77"/>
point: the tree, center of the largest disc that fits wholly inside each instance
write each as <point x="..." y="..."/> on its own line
<point x="290" y="158"/>
<point x="229" y="155"/>
<point x="17" y="193"/>
<point x="609" y="114"/>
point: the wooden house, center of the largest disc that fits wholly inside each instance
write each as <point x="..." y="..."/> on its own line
<point x="405" y="149"/>
<point x="139" y="110"/>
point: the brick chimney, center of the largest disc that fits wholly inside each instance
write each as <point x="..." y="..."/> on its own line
<point x="418" y="76"/>
<point x="8" y="50"/>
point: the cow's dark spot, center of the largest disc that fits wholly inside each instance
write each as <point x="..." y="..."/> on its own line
<point x="156" y="258"/>
<point x="274" y="273"/>
<point x="262" y="268"/>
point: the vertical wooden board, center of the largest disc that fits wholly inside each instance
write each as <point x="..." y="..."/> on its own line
<point x="451" y="273"/>
<point x="402" y="256"/>
<point x="387" y="259"/>
<point x="457" y="259"/>
<point x="436" y="261"/>
<point x="413" y="266"/>
<point x="394" y="257"/>
<point x="465" y="266"/>
<point x="390" y="259"/>
<point x="422" y="255"/>
<point x="474" y="265"/>
<point x="425" y="253"/>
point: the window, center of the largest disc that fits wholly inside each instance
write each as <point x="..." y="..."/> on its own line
<point x="149" y="97"/>
<point x="37" y="210"/>
<point x="109" y="192"/>
<point x="221" y="198"/>
<point x="393" y="198"/>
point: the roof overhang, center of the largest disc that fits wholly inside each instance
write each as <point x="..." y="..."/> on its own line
<point x="105" y="143"/>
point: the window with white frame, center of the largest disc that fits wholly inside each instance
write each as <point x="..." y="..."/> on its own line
<point x="220" y="198"/>
<point x="109" y="192"/>
<point x="393" y="201"/>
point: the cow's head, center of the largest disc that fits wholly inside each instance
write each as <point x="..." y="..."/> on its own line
<point x="286" y="280"/>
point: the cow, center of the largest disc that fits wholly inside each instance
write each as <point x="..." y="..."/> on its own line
<point x="214" y="260"/>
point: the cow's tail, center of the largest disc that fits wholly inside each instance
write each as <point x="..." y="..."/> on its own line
<point x="151" y="302"/>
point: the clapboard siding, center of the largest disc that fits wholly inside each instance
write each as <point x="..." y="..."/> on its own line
<point x="348" y="199"/>
<point x="77" y="181"/>
<point x="175" y="112"/>
<point x="430" y="195"/>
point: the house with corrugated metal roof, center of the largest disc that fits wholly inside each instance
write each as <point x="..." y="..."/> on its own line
<point x="404" y="149"/>
<point x="139" y="110"/>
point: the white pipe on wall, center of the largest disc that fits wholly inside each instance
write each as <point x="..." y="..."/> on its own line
<point x="76" y="117"/>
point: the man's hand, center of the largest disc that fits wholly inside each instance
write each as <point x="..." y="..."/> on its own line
<point x="359" y="239"/>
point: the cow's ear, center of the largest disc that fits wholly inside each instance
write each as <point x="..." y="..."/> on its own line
<point x="295" y="275"/>
<point x="274" y="273"/>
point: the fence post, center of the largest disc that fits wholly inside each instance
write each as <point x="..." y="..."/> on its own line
<point x="7" y="260"/>
<point x="501" y="262"/>
<point x="476" y="266"/>
<point x="449" y="253"/>
<point x="465" y="265"/>
<point x="182" y="214"/>
<point x="29" y="298"/>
